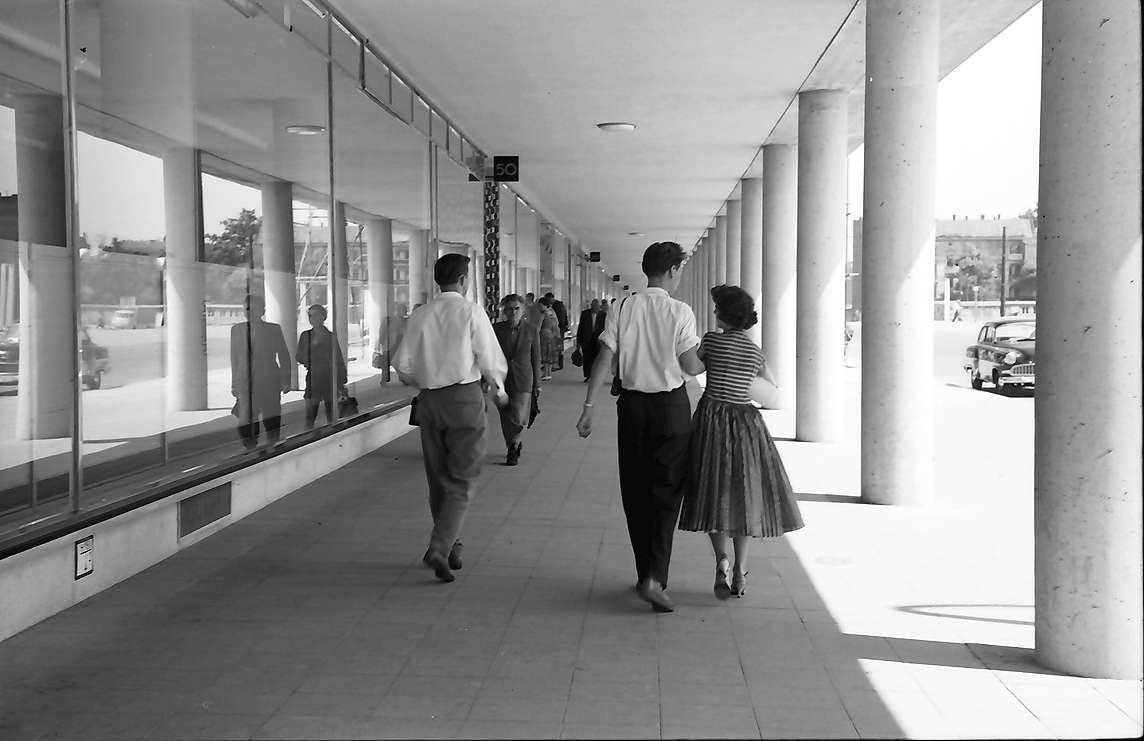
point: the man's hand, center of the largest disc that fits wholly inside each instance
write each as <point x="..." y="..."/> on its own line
<point x="584" y="425"/>
<point x="500" y="398"/>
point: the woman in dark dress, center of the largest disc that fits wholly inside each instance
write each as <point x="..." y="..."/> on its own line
<point x="737" y="486"/>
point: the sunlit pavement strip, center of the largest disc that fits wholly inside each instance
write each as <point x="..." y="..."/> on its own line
<point x="314" y="618"/>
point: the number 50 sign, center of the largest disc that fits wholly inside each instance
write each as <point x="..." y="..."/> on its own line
<point x="506" y="168"/>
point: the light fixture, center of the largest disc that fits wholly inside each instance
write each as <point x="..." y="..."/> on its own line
<point x="636" y="234"/>
<point x="616" y="126"/>
<point x="305" y="129"/>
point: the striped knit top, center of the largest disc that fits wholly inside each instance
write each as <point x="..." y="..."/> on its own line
<point x="732" y="361"/>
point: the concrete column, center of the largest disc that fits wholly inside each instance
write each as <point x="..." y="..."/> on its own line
<point x="147" y="79"/>
<point x="47" y="327"/>
<point x="418" y="275"/>
<point x="778" y="302"/>
<point x="278" y="261"/>
<point x="821" y="262"/>
<point x="712" y="250"/>
<point x="339" y="284"/>
<point x="185" y="284"/>
<point x="1087" y="472"/>
<point x="380" y="313"/>
<point x="900" y="171"/>
<point x="751" y="254"/>
<point x="720" y="250"/>
<point x="734" y="243"/>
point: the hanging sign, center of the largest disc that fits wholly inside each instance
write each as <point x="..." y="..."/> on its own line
<point x="506" y="168"/>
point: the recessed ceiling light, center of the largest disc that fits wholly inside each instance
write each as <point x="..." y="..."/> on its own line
<point x="305" y="129"/>
<point x="636" y="234"/>
<point x="616" y="126"/>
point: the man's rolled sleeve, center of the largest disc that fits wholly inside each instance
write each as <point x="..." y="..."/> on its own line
<point x="686" y="337"/>
<point x="611" y="330"/>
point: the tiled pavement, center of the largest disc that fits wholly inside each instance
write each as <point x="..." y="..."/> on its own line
<point x="314" y="618"/>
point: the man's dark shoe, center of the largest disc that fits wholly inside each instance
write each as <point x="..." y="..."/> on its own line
<point x="512" y="458"/>
<point x="455" y="562"/>
<point x="439" y="565"/>
<point x="650" y="591"/>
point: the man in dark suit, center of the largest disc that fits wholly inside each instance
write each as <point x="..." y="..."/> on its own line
<point x="520" y="342"/>
<point x="259" y="373"/>
<point x="589" y="329"/>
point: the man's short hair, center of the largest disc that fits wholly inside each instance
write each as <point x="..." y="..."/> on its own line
<point x="550" y="294"/>
<point x="510" y="298"/>
<point x="449" y="269"/>
<point x="530" y="296"/>
<point x="255" y="304"/>
<point x="661" y="257"/>
<point x="319" y="309"/>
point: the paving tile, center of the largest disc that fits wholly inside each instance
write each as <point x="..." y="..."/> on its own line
<point x="205" y="726"/>
<point x="508" y="729"/>
<point x="608" y="731"/>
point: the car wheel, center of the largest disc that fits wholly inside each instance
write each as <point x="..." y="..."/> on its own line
<point x="96" y="381"/>
<point x="975" y="380"/>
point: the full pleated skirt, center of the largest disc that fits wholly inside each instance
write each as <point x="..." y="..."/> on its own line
<point x="737" y="484"/>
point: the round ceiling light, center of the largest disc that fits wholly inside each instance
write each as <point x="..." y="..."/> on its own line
<point x="616" y="126"/>
<point x="305" y="129"/>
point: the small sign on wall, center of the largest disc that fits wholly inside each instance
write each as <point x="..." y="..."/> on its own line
<point x="84" y="556"/>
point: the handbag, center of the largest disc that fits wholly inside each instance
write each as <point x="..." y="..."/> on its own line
<point x="378" y="360"/>
<point x="577" y="357"/>
<point x="617" y="385"/>
<point x="347" y="406"/>
<point x="762" y="391"/>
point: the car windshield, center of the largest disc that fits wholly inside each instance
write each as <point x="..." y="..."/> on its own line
<point x="1017" y="332"/>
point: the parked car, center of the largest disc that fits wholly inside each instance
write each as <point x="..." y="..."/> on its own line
<point x="125" y="319"/>
<point x="94" y="359"/>
<point x="1005" y="354"/>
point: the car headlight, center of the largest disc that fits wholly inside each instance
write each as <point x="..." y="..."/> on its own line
<point x="1012" y="357"/>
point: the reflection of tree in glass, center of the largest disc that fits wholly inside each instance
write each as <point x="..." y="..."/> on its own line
<point x="235" y="246"/>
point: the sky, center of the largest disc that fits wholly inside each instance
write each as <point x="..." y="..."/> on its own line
<point x="988" y="130"/>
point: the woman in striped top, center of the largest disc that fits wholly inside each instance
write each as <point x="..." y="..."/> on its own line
<point x="737" y="486"/>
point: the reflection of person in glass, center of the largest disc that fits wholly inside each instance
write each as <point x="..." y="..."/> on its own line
<point x="319" y="353"/>
<point x="389" y="336"/>
<point x="259" y="373"/>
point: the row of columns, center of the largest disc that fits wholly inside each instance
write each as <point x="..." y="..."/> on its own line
<point x="790" y="255"/>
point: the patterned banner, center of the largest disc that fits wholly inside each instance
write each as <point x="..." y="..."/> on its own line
<point x="492" y="249"/>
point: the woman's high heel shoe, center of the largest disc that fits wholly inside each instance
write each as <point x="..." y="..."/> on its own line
<point x="722" y="588"/>
<point x="739" y="584"/>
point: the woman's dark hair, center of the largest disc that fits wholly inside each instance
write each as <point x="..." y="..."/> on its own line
<point x="450" y="268"/>
<point x="735" y="307"/>
<point x="545" y="301"/>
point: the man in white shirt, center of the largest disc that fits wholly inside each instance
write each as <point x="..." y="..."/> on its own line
<point x="654" y="337"/>
<point x="448" y="349"/>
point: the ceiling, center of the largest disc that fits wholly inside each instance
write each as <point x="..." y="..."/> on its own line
<point x="707" y="84"/>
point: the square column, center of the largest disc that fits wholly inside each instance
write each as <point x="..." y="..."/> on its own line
<point x="900" y="171"/>
<point x="778" y="304"/>
<point x="382" y="319"/>
<point x="821" y="253"/>
<point x="720" y="251"/>
<point x="1087" y="469"/>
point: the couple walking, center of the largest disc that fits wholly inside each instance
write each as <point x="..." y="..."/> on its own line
<point x="721" y="468"/>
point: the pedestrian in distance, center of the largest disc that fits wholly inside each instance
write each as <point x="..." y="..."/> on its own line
<point x="259" y="374"/>
<point x="448" y="350"/>
<point x="549" y="338"/>
<point x="561" y="324"/>
<point x="651" y="336"/>
<point x="737" y="486"/>
<point x="588" y="334"/>
<point x="520" y="343"/>
<point x="321" y="356"/>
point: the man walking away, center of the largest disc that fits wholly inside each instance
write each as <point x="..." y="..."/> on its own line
<point x="520" y="343"/>
<point x="587" y="335"/>
<point x="448" y="349"/>
<point x="654" y="337"/>
<point x="259" y="373"/>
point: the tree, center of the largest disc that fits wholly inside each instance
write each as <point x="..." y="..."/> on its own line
<point x="235" y="246"/>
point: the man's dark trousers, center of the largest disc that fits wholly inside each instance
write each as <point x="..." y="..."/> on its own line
<point x="654" y="433"/>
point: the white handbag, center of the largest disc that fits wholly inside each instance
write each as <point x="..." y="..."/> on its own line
<point x="764" y="393"/>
